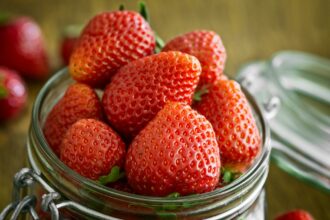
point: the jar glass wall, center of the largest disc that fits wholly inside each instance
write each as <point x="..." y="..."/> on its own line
<point x="243" y="197"/>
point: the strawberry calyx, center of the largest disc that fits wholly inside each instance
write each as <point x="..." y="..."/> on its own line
<point x="198" y="94"/>
<point x="228" y="176"/>
<point x="114" y="175"/>
<point x="145" y="14"/>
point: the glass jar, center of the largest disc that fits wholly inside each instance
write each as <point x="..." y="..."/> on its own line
<point x="300" y="129"/>
<point x="70" y="196"/>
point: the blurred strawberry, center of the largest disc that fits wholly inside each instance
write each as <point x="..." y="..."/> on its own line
<point x="22" y="47"/>
<point x="295" y="215"/>
<point x="12" y="94"/>
<point x="69" y="41"/>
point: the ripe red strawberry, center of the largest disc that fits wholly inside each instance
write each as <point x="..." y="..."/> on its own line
<point x="141" y="88"/>
<point x="79" y="101"/>
<point x="295" y="215"/>
<point x="176" y="152"/>
<point x="12" y="94"/>
<point x="92" y="148"/>
<point x="22" y="47"/>
<point x="207" y="46"/>
<point x="228" y="110"/>
<point x="109" y="41"/>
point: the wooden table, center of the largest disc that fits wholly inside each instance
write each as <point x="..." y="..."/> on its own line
<point x="251" y="30"/>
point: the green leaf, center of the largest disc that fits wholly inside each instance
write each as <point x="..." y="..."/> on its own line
<point x="112" y="177"/>
<point x="144" y="11"/>
<point x="159" y="43"/>
<point x="198" y="95"/>
<point x="3" y="92"/>
<point x="227" y="176"/>
<point x="121" y="7"/>
<point x="173" y="195"/>
<point x="145" y="14"/>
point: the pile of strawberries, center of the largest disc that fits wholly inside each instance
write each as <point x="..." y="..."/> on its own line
<point x="167" y="122"/>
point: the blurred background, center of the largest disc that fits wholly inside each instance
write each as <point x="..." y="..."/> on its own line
<point x="250" y="30"/>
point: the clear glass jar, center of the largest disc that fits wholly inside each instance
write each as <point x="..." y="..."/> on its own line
<point x="81" y="198"/>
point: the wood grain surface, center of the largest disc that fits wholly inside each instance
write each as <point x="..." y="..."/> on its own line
<point x="251" y="30"/>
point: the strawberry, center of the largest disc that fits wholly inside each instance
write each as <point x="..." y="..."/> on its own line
<point x="295" y="215"/>
<point x="22" y="47"/>
<point x="109" y="41"/>
<point x="228" y="110"/>
<point x="79" y="101"/>
<point x="176" y="152"/>
<point x="12" y="94"/>
<point x="92" y="148"/>
<point x="207" y="46"/>
<point x="67" y="46"/>
<point x="69" y="41"/>
<point x="141" y="88"/>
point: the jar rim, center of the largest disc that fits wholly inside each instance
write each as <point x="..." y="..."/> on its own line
<point x="51" y="156"/>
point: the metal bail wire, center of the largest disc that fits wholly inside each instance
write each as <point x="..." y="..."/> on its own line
<point x="23" y="179"/>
